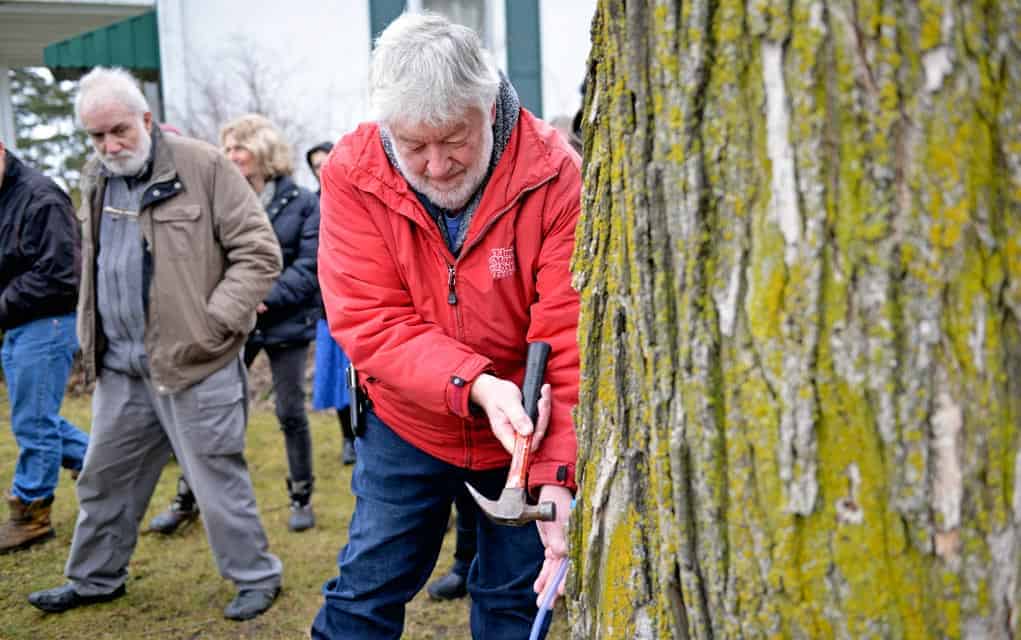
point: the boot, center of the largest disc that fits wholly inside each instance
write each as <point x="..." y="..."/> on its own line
<point x="302" y="516"/>
<point x="347" y="454"/>
<point x="29" y="523"/>
<point x="181" y="511"/>
<point x="452" y="586"/>
<point x="249" y="603"/>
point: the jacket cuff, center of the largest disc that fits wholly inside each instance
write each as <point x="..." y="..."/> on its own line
<point x="459" y="384"/>
<point x="551" y="472"/>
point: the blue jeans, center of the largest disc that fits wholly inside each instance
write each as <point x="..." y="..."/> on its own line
<point x="37" y="362"/>
<point x="465" y="548"/>
<point x="403" y="498"/>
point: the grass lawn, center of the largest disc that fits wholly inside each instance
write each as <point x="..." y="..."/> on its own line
<point x="174" y="590"/>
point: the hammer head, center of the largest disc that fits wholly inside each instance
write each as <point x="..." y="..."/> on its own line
<point x="512" y="508"/>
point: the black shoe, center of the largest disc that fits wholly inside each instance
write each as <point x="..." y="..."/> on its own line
<point x="64" y="597"/>
<point x="249" y="603"/>
<point x="449" y="587"/>
<point x="347" y="454"/>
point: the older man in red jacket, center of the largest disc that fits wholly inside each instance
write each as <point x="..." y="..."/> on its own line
<point x="447" y="228"/>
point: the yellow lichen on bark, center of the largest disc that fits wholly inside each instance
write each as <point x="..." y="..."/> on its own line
<point x="801" y="286"/>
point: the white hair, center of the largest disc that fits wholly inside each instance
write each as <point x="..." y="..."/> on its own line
<point x="105" y="85"/>
<point x="427" y="70"/>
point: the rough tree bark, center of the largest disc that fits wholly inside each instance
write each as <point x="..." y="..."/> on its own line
<point x="800" y="266"/>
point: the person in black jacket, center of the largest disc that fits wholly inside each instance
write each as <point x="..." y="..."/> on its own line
<point x="315" y="157"/>
<point x="39" y="270"/>
<point x="287" y="317"/>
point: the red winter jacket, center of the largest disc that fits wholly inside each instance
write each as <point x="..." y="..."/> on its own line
<point x="420" y="325"/>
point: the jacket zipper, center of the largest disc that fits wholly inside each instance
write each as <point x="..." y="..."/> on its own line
<point x="451" y="280"/>
<point x="452" y="301"/>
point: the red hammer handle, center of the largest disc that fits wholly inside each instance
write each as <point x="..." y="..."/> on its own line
<point x="531" y="388"/>
<point x="517" y="478"/>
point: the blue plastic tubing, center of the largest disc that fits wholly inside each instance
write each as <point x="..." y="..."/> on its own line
<point x="547" y="599"/>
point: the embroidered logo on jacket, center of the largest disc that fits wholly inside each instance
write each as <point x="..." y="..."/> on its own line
<point x="501" y="262"/>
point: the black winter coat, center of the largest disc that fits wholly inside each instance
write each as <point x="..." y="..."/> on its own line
<point x="293" y="302"/>
<point x="40" y="247"/>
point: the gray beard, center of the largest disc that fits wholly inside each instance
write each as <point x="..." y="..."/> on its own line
<point x="129" y="165"/>
<point x="458" y="198"/>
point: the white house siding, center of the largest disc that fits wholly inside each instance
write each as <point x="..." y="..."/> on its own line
<point x="318" y="50"/>
<point x="321" y="49"/>
<point x="566" y="40"/>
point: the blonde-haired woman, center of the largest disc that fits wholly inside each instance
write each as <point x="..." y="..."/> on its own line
<point x="287" y="317"/>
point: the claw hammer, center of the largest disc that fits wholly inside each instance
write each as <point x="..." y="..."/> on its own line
<point x="513" y="508"/>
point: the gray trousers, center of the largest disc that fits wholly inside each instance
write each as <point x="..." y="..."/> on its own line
<point x="134" y="430"/>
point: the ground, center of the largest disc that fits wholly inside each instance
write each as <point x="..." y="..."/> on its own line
<point x="174" y="590"/>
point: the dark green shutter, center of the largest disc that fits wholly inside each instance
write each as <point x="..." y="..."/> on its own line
<point x="524" y="52"/>
<point x="381" y="14"/>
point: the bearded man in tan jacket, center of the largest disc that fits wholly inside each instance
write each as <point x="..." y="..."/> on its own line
<point x="176" y="255"/>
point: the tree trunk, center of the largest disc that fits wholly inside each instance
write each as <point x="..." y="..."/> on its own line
<point x="800" y="266"/>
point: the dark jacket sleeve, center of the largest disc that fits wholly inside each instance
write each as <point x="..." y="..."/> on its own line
<point x="49" y="246"/>
<point x="297" y="283"/>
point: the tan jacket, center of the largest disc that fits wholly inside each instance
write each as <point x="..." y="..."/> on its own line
<point x="211" y="255"/>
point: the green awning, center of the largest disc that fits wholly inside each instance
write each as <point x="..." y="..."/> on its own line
<point x="133" y="44"/>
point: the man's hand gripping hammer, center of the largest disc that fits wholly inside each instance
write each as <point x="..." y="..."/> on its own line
<point x="513" y="508"/>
